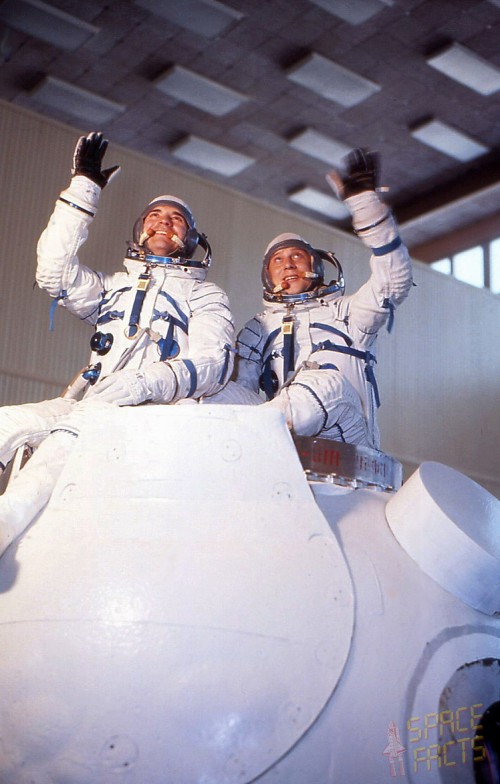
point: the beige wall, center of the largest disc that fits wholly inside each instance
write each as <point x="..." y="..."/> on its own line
<point x="439" y="372"/>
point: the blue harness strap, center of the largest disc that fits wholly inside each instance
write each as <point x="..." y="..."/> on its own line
<point x="111" y="315"/>
<point x="387" y="304"/>
<point x="182" y="316"/>
<point x="266" y="379"/>
<point x="329" y="328"/>
<point x="368" y="358"/>
<point x="114" y="295"/>
<point x="53" y="306"/>
<point x="370" y="376"/>
<point x="142" y="286"/>
<point x="164" y="315"/>
<point x="169" y="348"/>
<point x="288" y="346"/>
<point x="269" y="340"/>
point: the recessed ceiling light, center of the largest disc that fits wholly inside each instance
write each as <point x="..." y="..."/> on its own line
<point x="196" y="90"/>
<point x="448" y="140"/>
<point x="319" y="202"/>
<point x="319" y="146"/>
<point x="206" y="17"/>
<point x="47" y="23"/>
<point x="210" y="156"/>
<point x="75" y="101"/>
<point x="355" y="12"/>
<point x="331" y="80"/>
<point x="468" y="68"/>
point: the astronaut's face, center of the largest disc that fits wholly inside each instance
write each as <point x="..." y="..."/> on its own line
<point x="167" y="228"/>
<point x="288" y="268"/>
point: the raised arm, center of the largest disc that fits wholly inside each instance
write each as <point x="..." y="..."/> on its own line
<point x="58" y="270"/>
<point x="373" y="222"/>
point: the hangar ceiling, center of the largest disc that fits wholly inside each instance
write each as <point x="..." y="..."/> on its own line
<point x="273" y="92"/>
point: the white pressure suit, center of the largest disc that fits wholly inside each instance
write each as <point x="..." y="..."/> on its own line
<point x="180" y="346"/>
<point x="330" y="388"/>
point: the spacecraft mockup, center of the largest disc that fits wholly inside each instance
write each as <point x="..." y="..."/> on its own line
<point x="193" y="607"/>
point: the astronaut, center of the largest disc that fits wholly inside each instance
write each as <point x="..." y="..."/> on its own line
<point x="163" y="334"/>
<point x="312" y="349"/>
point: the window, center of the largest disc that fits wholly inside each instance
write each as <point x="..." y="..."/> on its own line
<point x="443" y="265"/>
<point x="469" y="266"/>
<point x="479" y="266"/>
<point x="495" y="266"/>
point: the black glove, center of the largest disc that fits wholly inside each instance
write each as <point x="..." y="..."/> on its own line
<point x="362" y="172"/>
<point x="87" y="159"/>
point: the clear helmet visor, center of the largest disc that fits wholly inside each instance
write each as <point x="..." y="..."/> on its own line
<point x="316" y="274"/>
<point x="188" y="245"/>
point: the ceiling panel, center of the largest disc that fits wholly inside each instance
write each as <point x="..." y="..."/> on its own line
<point x="240" y="48"/>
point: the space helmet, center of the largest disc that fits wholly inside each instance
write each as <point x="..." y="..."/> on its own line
<point x="187" y="247"/>
<point x="318" y="288"/>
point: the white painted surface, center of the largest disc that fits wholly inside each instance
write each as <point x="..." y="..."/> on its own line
<point x="187" y="611"/>
<point x="450" y="526"/>
<point x="180" y="612"/>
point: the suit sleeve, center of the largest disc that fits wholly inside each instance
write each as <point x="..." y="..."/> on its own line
<point x="59" y="271"/>
<point x="374" y="303"/>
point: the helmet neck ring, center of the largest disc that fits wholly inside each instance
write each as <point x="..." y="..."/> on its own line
<point x="141" y="253"/>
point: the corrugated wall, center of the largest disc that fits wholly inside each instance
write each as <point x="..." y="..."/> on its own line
<point x="439" y="372"/>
